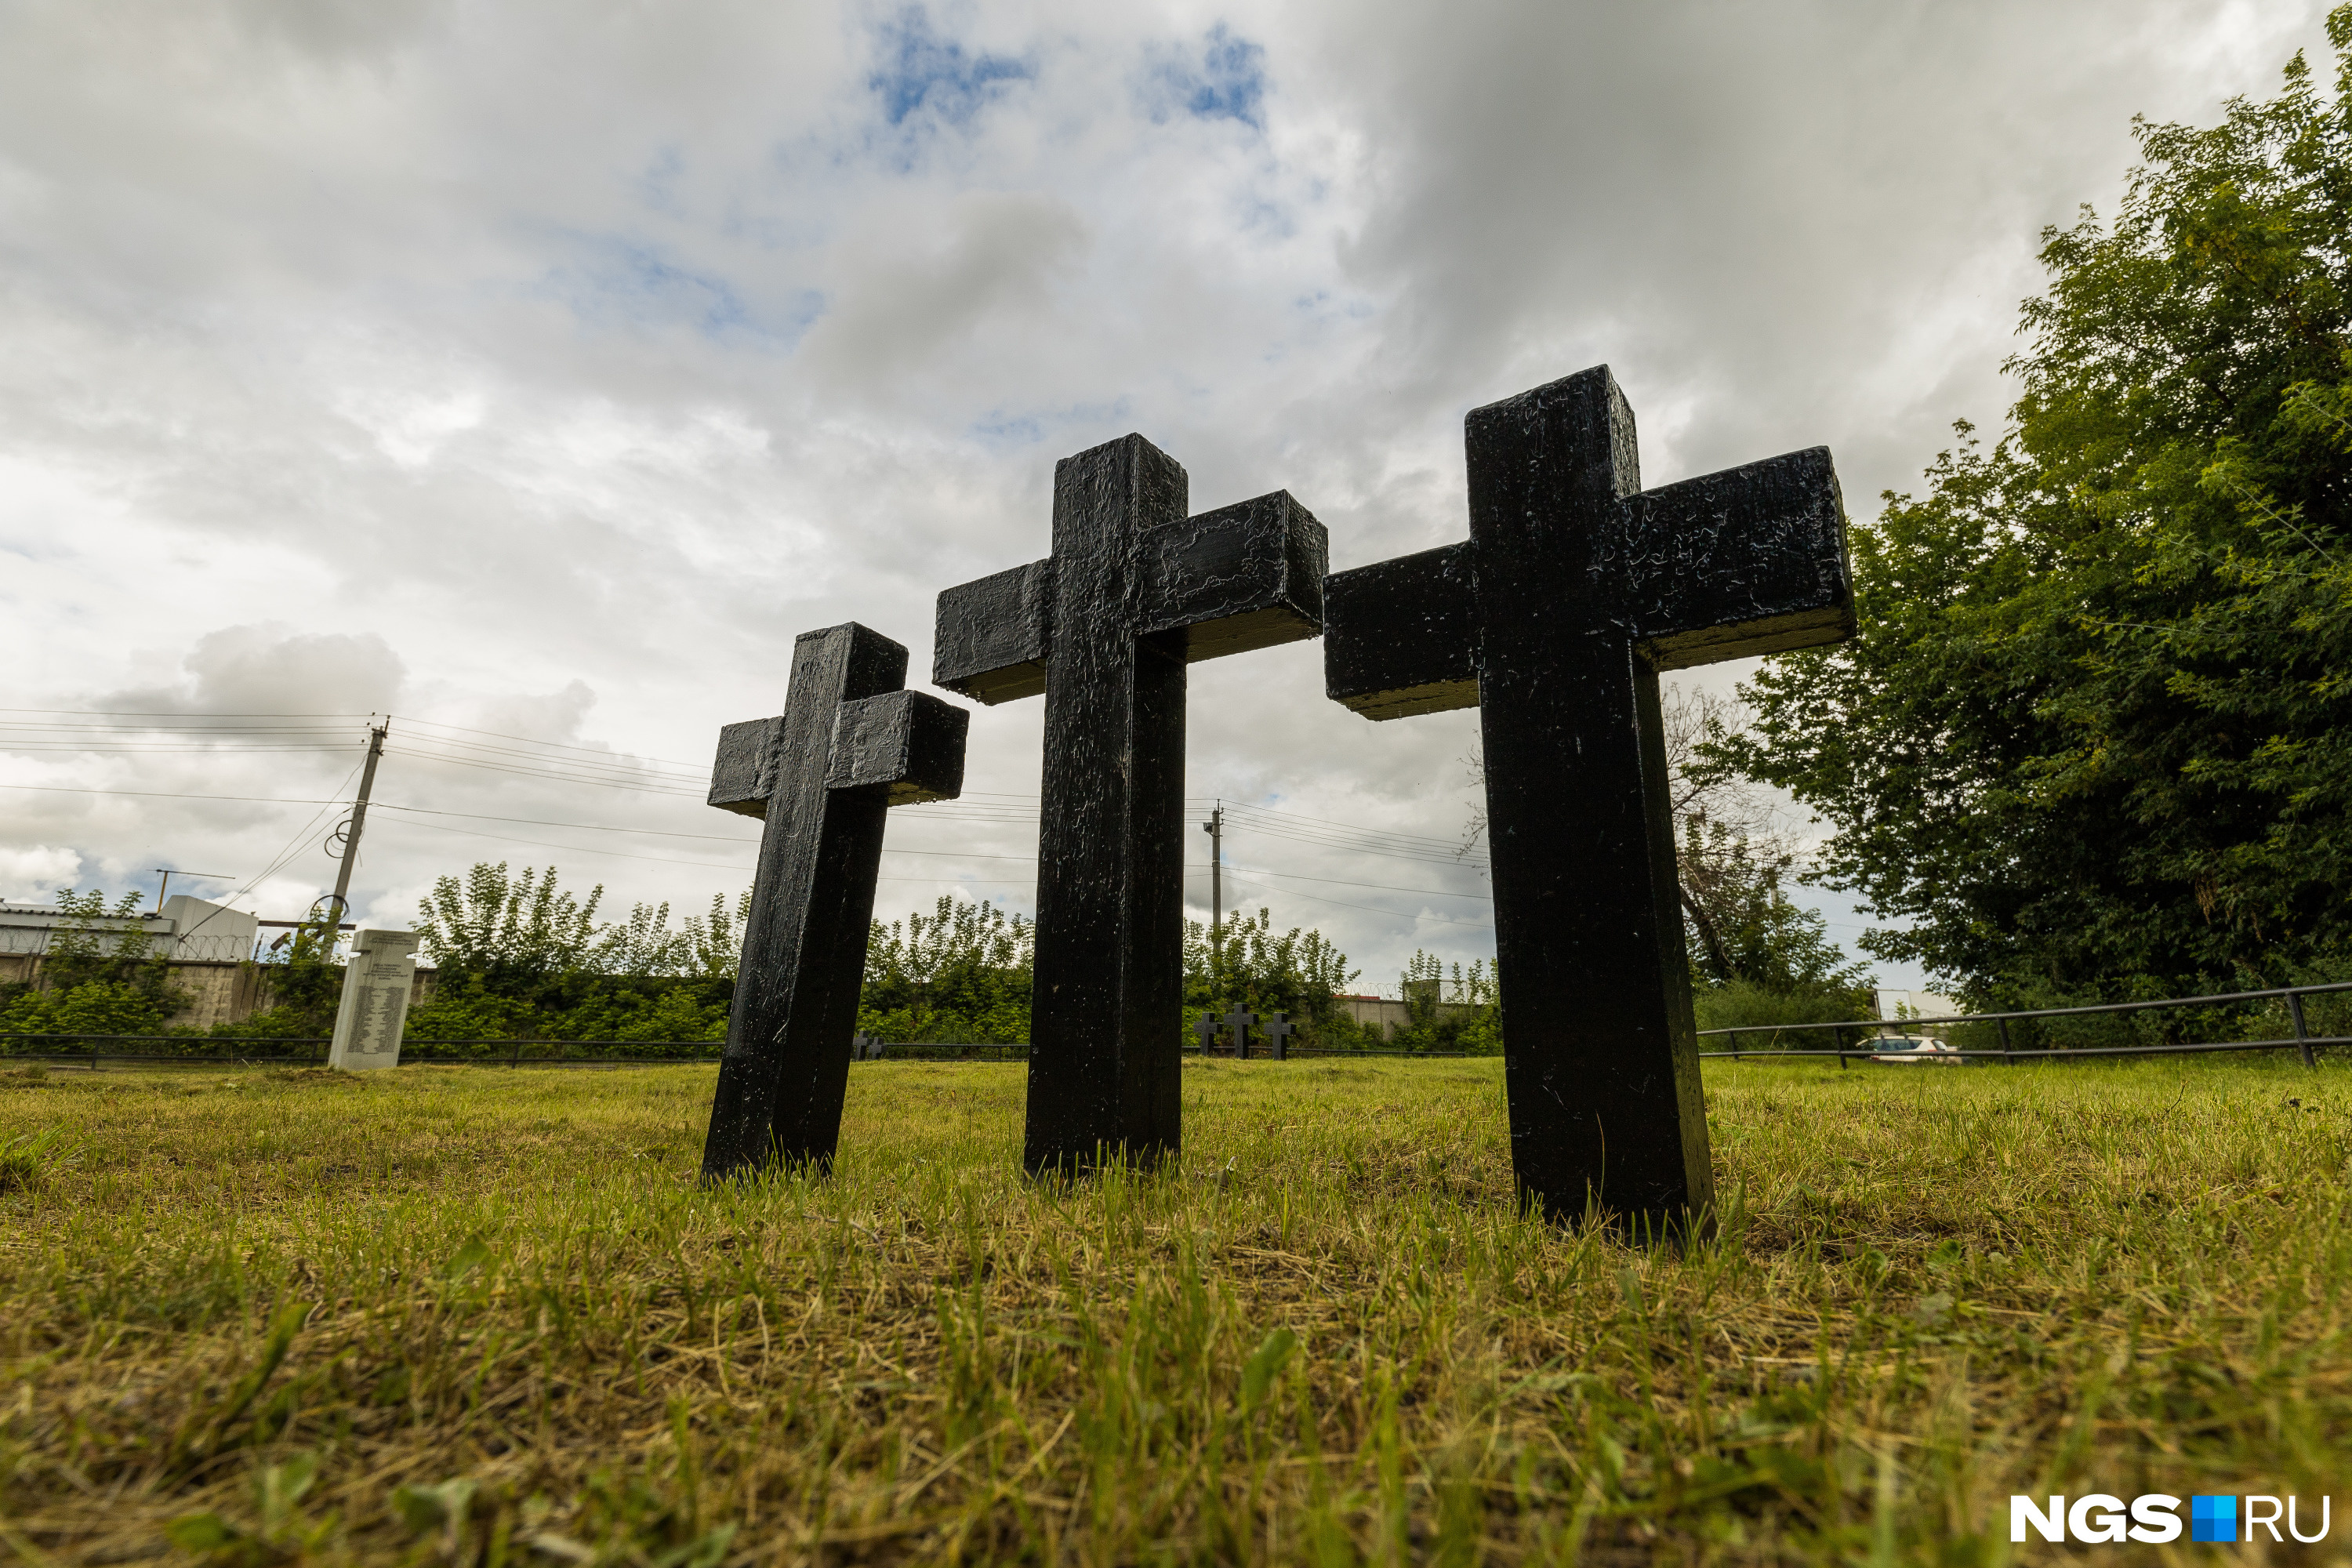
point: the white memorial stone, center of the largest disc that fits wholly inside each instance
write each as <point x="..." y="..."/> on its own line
<point x="374" y="1008"/>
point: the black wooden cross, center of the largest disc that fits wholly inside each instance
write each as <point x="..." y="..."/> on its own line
<point x="1238" y="1022"/>
<point x="1134" y="591"/>
<point x="1575" y="589"/>
<point x="1278" y="1031"/>
<point x="850" y="745"/>
<point x="1205" y="1026"/>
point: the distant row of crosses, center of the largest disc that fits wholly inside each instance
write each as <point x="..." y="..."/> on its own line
<point x="1575" y="589"/>
<point x="1234" y="1028"/>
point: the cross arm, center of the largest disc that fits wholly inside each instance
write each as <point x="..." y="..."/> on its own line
<point x="744" y="776"/>
<point x="906" y="740"/>
<point x="1749" y="560"/>
<point x="992" y="635"/>
<point x="1401" y="637"/>
<point x="1245" y="576"/>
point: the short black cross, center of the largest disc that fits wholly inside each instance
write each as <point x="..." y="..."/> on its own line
<point x="1575" y="589"/>
<point x="1206" y="1028"/>
<point x="1237" y="1022"/>
<point x="1278" y="1031"/>
<point x="1134" y="591"/>
<point x="849" y="745"/>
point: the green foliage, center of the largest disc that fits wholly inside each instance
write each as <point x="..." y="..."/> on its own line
<point x="2095" y="735"/>
<point x="512" y="928"/>
<point x="99" y="976"/>
<point x="959" y="975"/>
<point x="1743" y="1004"/>
<point x="1460" y="1010"/>
<point x="707" y="947"/>
<point x="305" y="983"/>
<point x="281" y="1531"/>
<point x="1298" y="973"/>
<point x="27" y="1159"/>
<point x="1755" y="955"/>
<point x="518" y="958"/>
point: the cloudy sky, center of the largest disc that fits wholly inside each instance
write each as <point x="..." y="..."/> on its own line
<point x="534" y="372"/>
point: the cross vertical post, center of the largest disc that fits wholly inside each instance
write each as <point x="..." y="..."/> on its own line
<point x="1574" y="591"/>
<point x="1239" y="1021"/>
<point x="1134" y="591"/>
<point x="850" y="744"/>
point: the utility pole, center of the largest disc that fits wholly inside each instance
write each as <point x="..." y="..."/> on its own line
<point x="1215" y="829"/>
<point x="351" y="831"/>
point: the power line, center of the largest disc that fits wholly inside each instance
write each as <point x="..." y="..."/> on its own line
<point x="1392" y="914"/>
<point x="706" y="865"/>
<point x="170" y="795"/>
<point x="558" y="745"/>
<point x="1337" y="882"/>
<point x="176" y="713"/>
<point x="1292" y="817"/>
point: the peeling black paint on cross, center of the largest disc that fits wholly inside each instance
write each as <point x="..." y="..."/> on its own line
<point x="1575" y="589"/>
<point x="1134" y="591"/>
<point x="850" y="745"/>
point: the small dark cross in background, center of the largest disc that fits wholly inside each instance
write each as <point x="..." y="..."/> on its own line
<point x="1237" y="1024"/>
<point x="850" y="745"/>
<point x="1575" y="589"/>
<point x="1205" y="1026"/>
<point x="1134" y="591"/>
<point x="1278" y="1031"/>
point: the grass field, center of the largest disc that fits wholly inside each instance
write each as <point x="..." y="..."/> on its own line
<point x="461" y="1315"/>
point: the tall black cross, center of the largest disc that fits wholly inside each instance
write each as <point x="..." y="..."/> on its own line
<point x="1134" y="591"/>
<point x="1575" y="589"/>
<point x="850" y="745"/>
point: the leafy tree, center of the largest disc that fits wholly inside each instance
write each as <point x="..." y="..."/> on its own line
<point x="1734" y="852"/>
<point x="2092" y="738"/>
<point x="1298" y="973"/>
<point x="518" y="958"/>
<point x="1461" y="1011"/>
<point x="711" y="946"/>
<point x="959" y="974"/>
<point x="510" y="928"/>
<point x="1753" y="933"/>
<point x="99" y="976"/>
<point x="305" y="983"/>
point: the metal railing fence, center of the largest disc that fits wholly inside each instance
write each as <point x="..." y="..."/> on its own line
<point x="2302" y="1041"/>
<point x="198" y="1050"/>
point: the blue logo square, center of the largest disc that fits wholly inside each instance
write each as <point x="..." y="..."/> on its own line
<point x="2212" y="1519"/>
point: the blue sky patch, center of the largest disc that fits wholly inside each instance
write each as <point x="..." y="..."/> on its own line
<point x="1224" y="79"/>
<point x="627" y="280"/>
<point x="921" y="71"/>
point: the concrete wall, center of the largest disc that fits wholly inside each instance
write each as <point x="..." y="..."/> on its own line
<point x="1389" y="1016"/>
<point x="217" y="992"/>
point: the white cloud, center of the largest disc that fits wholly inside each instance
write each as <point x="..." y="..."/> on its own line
<point x="543" y="369"/>
<point x="29" y="872"/>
